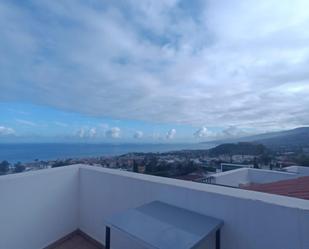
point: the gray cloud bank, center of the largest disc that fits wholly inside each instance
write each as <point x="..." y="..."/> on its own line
<point x="113" y="132"/>
<point x="138" y="134"/>
<point x="171" y="134"/>
<point x="220" y="63"/>
<point x="6" y="131"/>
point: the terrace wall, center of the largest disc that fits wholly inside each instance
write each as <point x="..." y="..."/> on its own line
<point x="38" y="208"/>
<point x="253" y="220"/>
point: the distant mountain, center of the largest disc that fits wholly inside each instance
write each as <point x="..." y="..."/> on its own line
<point x="289" y="139"/>
<point x="244" y="148"/>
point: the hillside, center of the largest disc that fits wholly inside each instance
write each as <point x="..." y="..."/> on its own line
<point x="289" y="139"/>
<point x="242" y="148"/>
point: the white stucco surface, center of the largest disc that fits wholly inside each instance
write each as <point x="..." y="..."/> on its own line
<point x="302" y="170"/>
<point x="232" y="178"/>
<point x="252" y="220"/>
<point x="244" y="176"/>
<point x="40" y="207"/>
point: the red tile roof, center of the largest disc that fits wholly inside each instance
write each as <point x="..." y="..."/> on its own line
<point x="298" y="187"/>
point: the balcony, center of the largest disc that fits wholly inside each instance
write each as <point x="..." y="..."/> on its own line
<point x="48" y="208"/>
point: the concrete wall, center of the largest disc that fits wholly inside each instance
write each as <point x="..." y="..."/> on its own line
<point x="236" y="177"/>
<point x="37" y="208"/>
<point x="253" y="220"/>
<point x="267" y="176"/>
<point x="298" y="170"/>
<point x="232" y="178"/>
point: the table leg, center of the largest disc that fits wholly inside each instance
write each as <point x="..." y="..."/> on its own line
<point x="218" y="239"/>
<point x="107" y="237"/>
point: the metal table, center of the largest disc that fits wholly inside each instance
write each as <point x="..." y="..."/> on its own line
<point x="163" y="226"/>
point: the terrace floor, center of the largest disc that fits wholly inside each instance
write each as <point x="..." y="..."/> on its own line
<point x="76" y="241"/>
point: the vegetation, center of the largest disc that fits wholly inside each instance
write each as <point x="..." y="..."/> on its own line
<point x="242" y="148"/>
<point x="62" y="163"/>
<point x="18" y="167"/>
<point x="162" y="168"/>
<point x="303" y="160"/>
<point x="4" y="167"/>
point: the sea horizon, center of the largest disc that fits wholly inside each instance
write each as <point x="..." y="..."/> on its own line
<point x="29" y="152"/>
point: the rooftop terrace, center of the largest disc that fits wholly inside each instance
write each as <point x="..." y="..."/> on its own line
<point x="41" y="207"/>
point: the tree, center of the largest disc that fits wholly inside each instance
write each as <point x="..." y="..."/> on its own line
<point x="271" y="166"/>
<point x="265" y="159"/>
<point x="4" y="167"/>
<point x="19" y="167"/>
<point x="135" y="167"/>
<point x="255" y="163"/>
<point x="303" y="160"/>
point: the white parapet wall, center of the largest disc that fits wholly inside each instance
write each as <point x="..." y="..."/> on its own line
<point x="232" y="178"/>
<point x="252" y="220"/>
<point x="302" y="170"/>
<point x="37" y="208"/>
<point x="245" y="176"/>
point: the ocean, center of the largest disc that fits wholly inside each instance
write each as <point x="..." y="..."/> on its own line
<point x="51" y="151"/>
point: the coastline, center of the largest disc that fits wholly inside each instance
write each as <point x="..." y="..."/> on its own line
<point x="29" y="152"/>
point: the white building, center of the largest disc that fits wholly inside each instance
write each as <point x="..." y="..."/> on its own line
<point x="246" y="176"/>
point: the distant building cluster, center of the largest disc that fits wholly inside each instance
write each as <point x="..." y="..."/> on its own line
<point x="191" y="165"/>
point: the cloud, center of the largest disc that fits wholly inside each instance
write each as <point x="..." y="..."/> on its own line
<point x="61" y="124"/>
<point x="202" y="132"/>
<point x="229" y="132"/>
<point x="138" y="134"/>
<point x="92" y="132"/>
<point x="157" y="136"/>
<point x="81" y="133"/>
<point x="26" y="122"/>
<point x="233" y="131"/>
<point x="86" y="133"/>
<point x="104" y="126"/>
<point x="171" y="134"/>
<point x="6" y="131"/>
<point x="18" y="111"/>
<point x="186" y="62"/>
<point x="114" y="132"/>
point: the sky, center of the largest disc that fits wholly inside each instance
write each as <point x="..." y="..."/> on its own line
<point x="152" y="71"/>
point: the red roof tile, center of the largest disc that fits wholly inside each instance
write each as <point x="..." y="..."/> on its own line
<point x="298" y="187"/>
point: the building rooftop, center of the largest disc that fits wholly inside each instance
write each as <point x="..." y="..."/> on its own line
<point x="243" y="177"/>
<point x="298" y="187"/>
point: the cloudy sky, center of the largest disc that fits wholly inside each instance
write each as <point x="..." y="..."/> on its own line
<point x="151" y="70"/>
